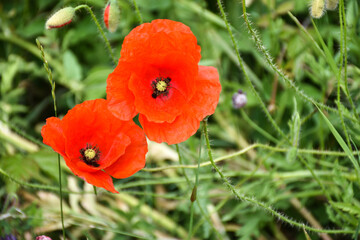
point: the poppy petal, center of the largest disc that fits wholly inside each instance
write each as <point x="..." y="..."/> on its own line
<point x="120" y="98"/>
<point x="182" y="72"/>
<point x="117" y="149"/>
<point x="91" y="138"/>
<point x="144" y="40"/>
<point x="134" y="158"/>
<point x="205" y="100"/>
<point x="97" y="178"/>
<point x="179" y="130"/>
<point x="102" y="130"/>
<point x="100" y="179"/>
<point x="53" y="135"/>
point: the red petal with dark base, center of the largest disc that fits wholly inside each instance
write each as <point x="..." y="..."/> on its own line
<point x="91" y="125"/>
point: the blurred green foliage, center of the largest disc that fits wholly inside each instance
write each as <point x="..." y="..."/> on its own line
<point x="156" y="205"/>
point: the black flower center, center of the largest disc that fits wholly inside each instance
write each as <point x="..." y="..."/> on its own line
<point x="160" y="86"/>
<point x="90" y="155"/>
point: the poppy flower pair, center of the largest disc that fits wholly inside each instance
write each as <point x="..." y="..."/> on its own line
<point x="157" y="77"/>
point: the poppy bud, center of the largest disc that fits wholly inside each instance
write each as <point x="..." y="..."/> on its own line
<point x="331" y="4"/>
<point x="193" y="194"/>
<point x="111" y="15"/>
<point x="60" y="18"/>
<point x="317" y="8"/>
<point x="239" y="99"/>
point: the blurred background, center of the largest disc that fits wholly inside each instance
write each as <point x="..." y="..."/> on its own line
<point x="156" y="204"/>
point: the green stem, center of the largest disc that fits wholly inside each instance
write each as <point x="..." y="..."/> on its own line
<point x="15" y="139"/>
<point x="262" y="104"/>
<point x="194" y="191"/>
<point x="338" y="102"/>
<point x="268" y="59"/>
<point x="189" y="183"/>
<point x="292" y="175"/>
<point x="61" y="198"/>
<point x="100" y="30"/>
<point x="245" y="150"/>
<point x="181" y="162"/>
<point x="342" y="7"/>
<point x="138" y="12"/>
<point x="191" y="221"/>
<point x="53" y="85"/>
<point x="254" y="202"/>
<point x="257" y="128"/>
<point x="287" y="80"/>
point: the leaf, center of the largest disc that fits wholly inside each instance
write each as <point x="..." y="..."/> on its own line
<point x="7" y="74"/>
<point x="73" y="71"/>
<point x="18" y="167"/>
<point x="33" y="28"/>
<point x="285" y="7"/>
<point x="95" y="83"/>
<point x="342" y="143"/>
<point x="347" y="207"/>
<point x="306" y="235"/>
<point x="47" y="161"/>
<point x="154" y="4"/>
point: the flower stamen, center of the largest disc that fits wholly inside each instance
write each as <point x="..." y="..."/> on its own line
<point x="160" y="86"/>
<point x="90" y="155"/>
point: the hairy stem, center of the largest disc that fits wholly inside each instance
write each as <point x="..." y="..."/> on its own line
<point x="257" y="203"/>
<point x="262" y="104"/>
<point x="100" y="30"/>
<point x="52" y="83"/>
<point x="138" y="12"/>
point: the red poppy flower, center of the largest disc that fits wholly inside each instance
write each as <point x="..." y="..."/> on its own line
<point x="95" y="144"/>
<point x="158" y="77"/>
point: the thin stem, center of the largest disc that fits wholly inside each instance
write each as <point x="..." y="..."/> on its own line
<point x="191" y="221"/>
<point x="254" y="202"/>
<point x="100" y="30"/>
<point x="52" y="83"/>
<point x="22" y="133"/>
<point x="257" y="128"/>
<point x="181" y="162"/>
<point x="290" y="83"/>
<point x="61" y="197"/>
<point x="292" y="175"/>
<point x="268" y="59"/>
<point x="342" y="7"/>
<point x="194" y="192"/>
<point x="262" y="104"/>
<point x="245" y="150"/>
<point x="138" y="12"/>
<point x="338" y="102"/>
<point x="189" y="183"/>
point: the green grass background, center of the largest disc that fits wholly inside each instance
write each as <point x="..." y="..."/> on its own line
<point x="289" y="155"/>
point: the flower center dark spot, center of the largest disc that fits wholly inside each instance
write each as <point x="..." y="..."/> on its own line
<point x="90" y="155"/>
<point x="160" y="86"/>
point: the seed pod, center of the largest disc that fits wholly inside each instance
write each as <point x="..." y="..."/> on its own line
<point x="111" y="15"/>
<point x="60" y="18"/>
<point x="331" y="4"/>
<point x="317" y="8"/>
<point x="193" y="194"/>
